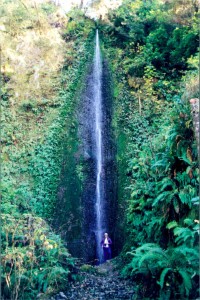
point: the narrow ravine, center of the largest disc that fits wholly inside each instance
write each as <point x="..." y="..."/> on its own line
<point x="96" y="146"/>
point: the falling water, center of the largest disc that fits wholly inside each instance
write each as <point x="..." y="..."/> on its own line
<point x="89" y="200"/>
<point x="98" y="140"/>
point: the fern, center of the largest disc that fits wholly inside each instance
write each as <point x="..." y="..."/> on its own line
<point x="186" y="195"/>
<point x="188" y="222"/>
<point x="183" y="234"/>
<point x="186" y="281"/>
<point x="154" y="226"/>
<point x="166" y="196"/>
<point x="153" y="260"/>
<point x="161" y="163"/>
<point x="153" y="256"/>
<point x="172" y="225"/>
<point x="182" y="151"/>
<point x="195" y="201"/>
<point x="183" y="179"/>
<point x="165" y="183"/>
<point x="191" y="255"/>
<point x="146" y="247"/>
<point x="185" y="198"/>
<point x="162" y="276"/>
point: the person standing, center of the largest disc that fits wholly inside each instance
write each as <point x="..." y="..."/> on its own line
<point x="106" y="245"/>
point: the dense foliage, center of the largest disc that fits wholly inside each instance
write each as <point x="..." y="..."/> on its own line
<point x="48" y="50"/>
<point x="34" y="259"/>
<point x="152" y="48"/>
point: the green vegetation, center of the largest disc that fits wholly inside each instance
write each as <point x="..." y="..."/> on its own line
<point x="34" y="259"/>
<point x="44" y="57"/>
<point x="151" y="47"/>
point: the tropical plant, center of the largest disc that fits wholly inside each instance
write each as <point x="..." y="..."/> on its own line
<point x="173" y="271"/>
<point x="33" y="258"/>
<point x="157" y="150"/>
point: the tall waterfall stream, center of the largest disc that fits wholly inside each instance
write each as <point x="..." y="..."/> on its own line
<point x="99" y="197"/>
<point x="90" y="206"/>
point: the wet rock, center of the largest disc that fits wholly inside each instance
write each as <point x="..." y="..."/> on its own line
<point x="102" y="271"/>
<point x="62" y="295"/>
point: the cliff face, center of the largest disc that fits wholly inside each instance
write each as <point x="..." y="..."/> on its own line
<point x="46" y="174"/>
<point x="75" y="215"/>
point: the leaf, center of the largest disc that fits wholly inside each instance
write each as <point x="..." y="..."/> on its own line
<point x="172" y="225"/>
<point x="188" y="222"/>
<point x="149" y="257"/>
<point x="185" y="198"/>
<point x="176" y="205"/>
<point x="163" y="196"/>
<point x="186" y="281"/>
<point x="166" y="183"/>
<point x="195" y="201"/>
<point x="183" y="234"/>
<point x="185" y="159"/>
<point x="45" y="286"/>
<point x="162" y="277"/>
<point x="190" y="253"/>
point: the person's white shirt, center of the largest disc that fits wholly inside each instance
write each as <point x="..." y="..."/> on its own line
<point x="106" y="242"/>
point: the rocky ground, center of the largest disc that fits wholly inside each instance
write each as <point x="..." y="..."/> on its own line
<point x="98" y="283"/>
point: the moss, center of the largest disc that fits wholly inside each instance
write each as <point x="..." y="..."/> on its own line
<point x="88" y="269"/>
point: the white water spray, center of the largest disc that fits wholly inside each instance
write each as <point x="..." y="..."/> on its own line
<point x="98" y="140"/>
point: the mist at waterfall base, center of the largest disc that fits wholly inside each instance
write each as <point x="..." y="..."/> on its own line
<point x="84" y="212"/>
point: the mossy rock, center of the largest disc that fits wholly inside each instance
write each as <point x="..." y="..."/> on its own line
<point x="88" y="269"/>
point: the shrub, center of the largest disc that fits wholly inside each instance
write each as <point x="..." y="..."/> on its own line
<point x="33" y="258"/>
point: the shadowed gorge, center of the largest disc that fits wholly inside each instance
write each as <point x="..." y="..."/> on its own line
<point x="91" y="209"/>
<point x="99" y="133"/>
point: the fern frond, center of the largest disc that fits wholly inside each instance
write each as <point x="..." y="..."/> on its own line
<point x="162" y="277"/>
<point x="183" y="178"/>
<point x="177" y="259"/>
<point x="183" y="234"/>
<point x="188" y="221"/>
<point x="186" y="281"/>
<point x="195" y="201"/>
<point x="185" y="198"/>
<point x="150" y="257"/>
<point x="58" y="271"/>
<point x="147" y="247"/>
<point x="163" y="196"/>
<point x="153" y="225"/>
<point x="171" y="225"/>
<point x="131" y="253"/>
<point x="166" y="183"/>
<point x="160" y="163"/>
<point x="192" y="254"/>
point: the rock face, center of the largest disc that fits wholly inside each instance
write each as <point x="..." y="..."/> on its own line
<point x="88" y="151"/>
<point x="195" y="114"/>
<point x="105" y="284"/>
<point x="75" y="213"/>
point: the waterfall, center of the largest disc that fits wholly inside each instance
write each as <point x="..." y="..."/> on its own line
<point x="97" y="156"/>
<point x="87" y="189"/>
<point x="99" y="197"/>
